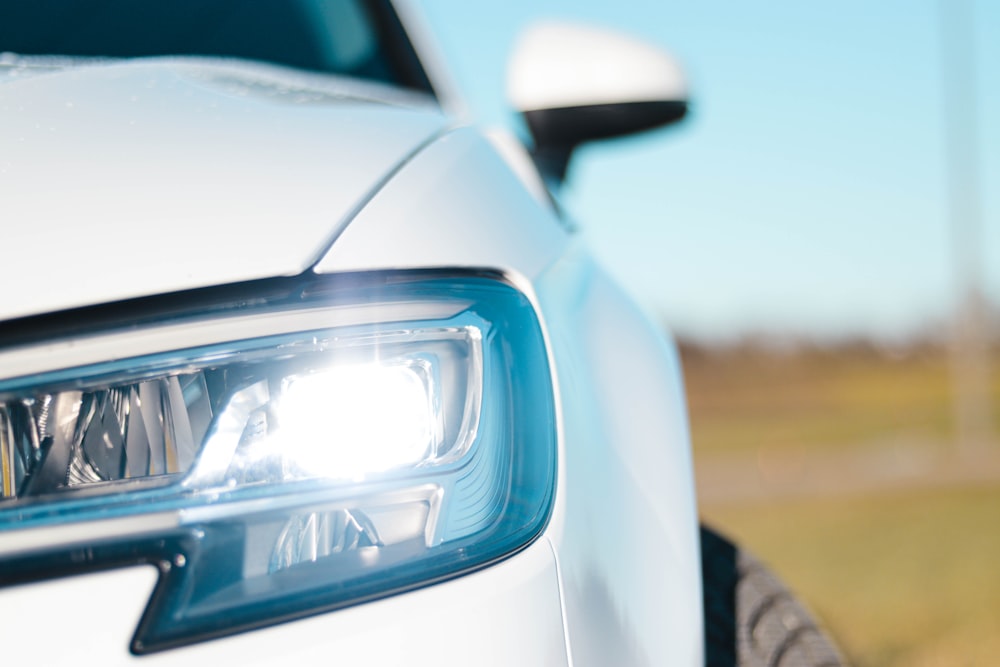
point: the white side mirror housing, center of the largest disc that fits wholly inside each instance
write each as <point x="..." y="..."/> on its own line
<point x="576" y="83"/>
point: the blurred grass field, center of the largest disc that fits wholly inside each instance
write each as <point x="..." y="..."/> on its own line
<point x="903" y="573"/>
<point x="910" y="578"/>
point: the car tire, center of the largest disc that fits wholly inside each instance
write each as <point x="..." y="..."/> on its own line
<point x="751" y="618"/>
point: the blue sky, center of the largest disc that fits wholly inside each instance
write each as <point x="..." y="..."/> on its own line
<point x="807" y="191"/>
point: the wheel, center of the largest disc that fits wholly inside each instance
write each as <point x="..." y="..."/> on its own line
<point x="751" y="618"/>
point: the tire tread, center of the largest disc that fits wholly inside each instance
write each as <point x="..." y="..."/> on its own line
<point x="751" y="618"/>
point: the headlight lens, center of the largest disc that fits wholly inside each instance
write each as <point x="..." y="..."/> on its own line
<point x="378" y="437"/>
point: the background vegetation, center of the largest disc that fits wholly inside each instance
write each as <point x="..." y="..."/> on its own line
<point x="838" y="465"/>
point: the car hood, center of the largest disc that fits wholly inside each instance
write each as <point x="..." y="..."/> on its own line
<point x="127" y="179"/>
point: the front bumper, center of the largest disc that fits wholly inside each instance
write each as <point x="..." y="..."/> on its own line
<point x="508" y="614"/>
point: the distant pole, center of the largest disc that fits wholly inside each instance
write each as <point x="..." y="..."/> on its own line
<point x="970" y="338"/>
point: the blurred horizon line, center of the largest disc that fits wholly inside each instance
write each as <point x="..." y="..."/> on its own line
<point x="933" y="331"/>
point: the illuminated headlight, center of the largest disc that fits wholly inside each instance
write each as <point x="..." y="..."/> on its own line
<point x="345" y="441"/>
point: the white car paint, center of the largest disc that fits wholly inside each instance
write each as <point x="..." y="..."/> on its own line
<point x="432" y="59"/>
<point x="625" y="524"/>
<point x="557" y="65"/>
<point x="143" y="177"/>
<point x="440" y="211"/>
<point x="614" y="579"/>
<point x="508" y="615"/>
<point x="625" y="518"/>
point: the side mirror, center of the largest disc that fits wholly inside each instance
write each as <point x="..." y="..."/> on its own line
<point x="575" y="84"/>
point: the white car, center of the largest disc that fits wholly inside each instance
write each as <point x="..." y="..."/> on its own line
<point x="297" y="368"/>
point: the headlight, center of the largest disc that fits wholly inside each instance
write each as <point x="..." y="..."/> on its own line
<point x="326" y="446"/>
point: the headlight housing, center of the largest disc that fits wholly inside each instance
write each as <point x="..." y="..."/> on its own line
<point x="310" y="449"/>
